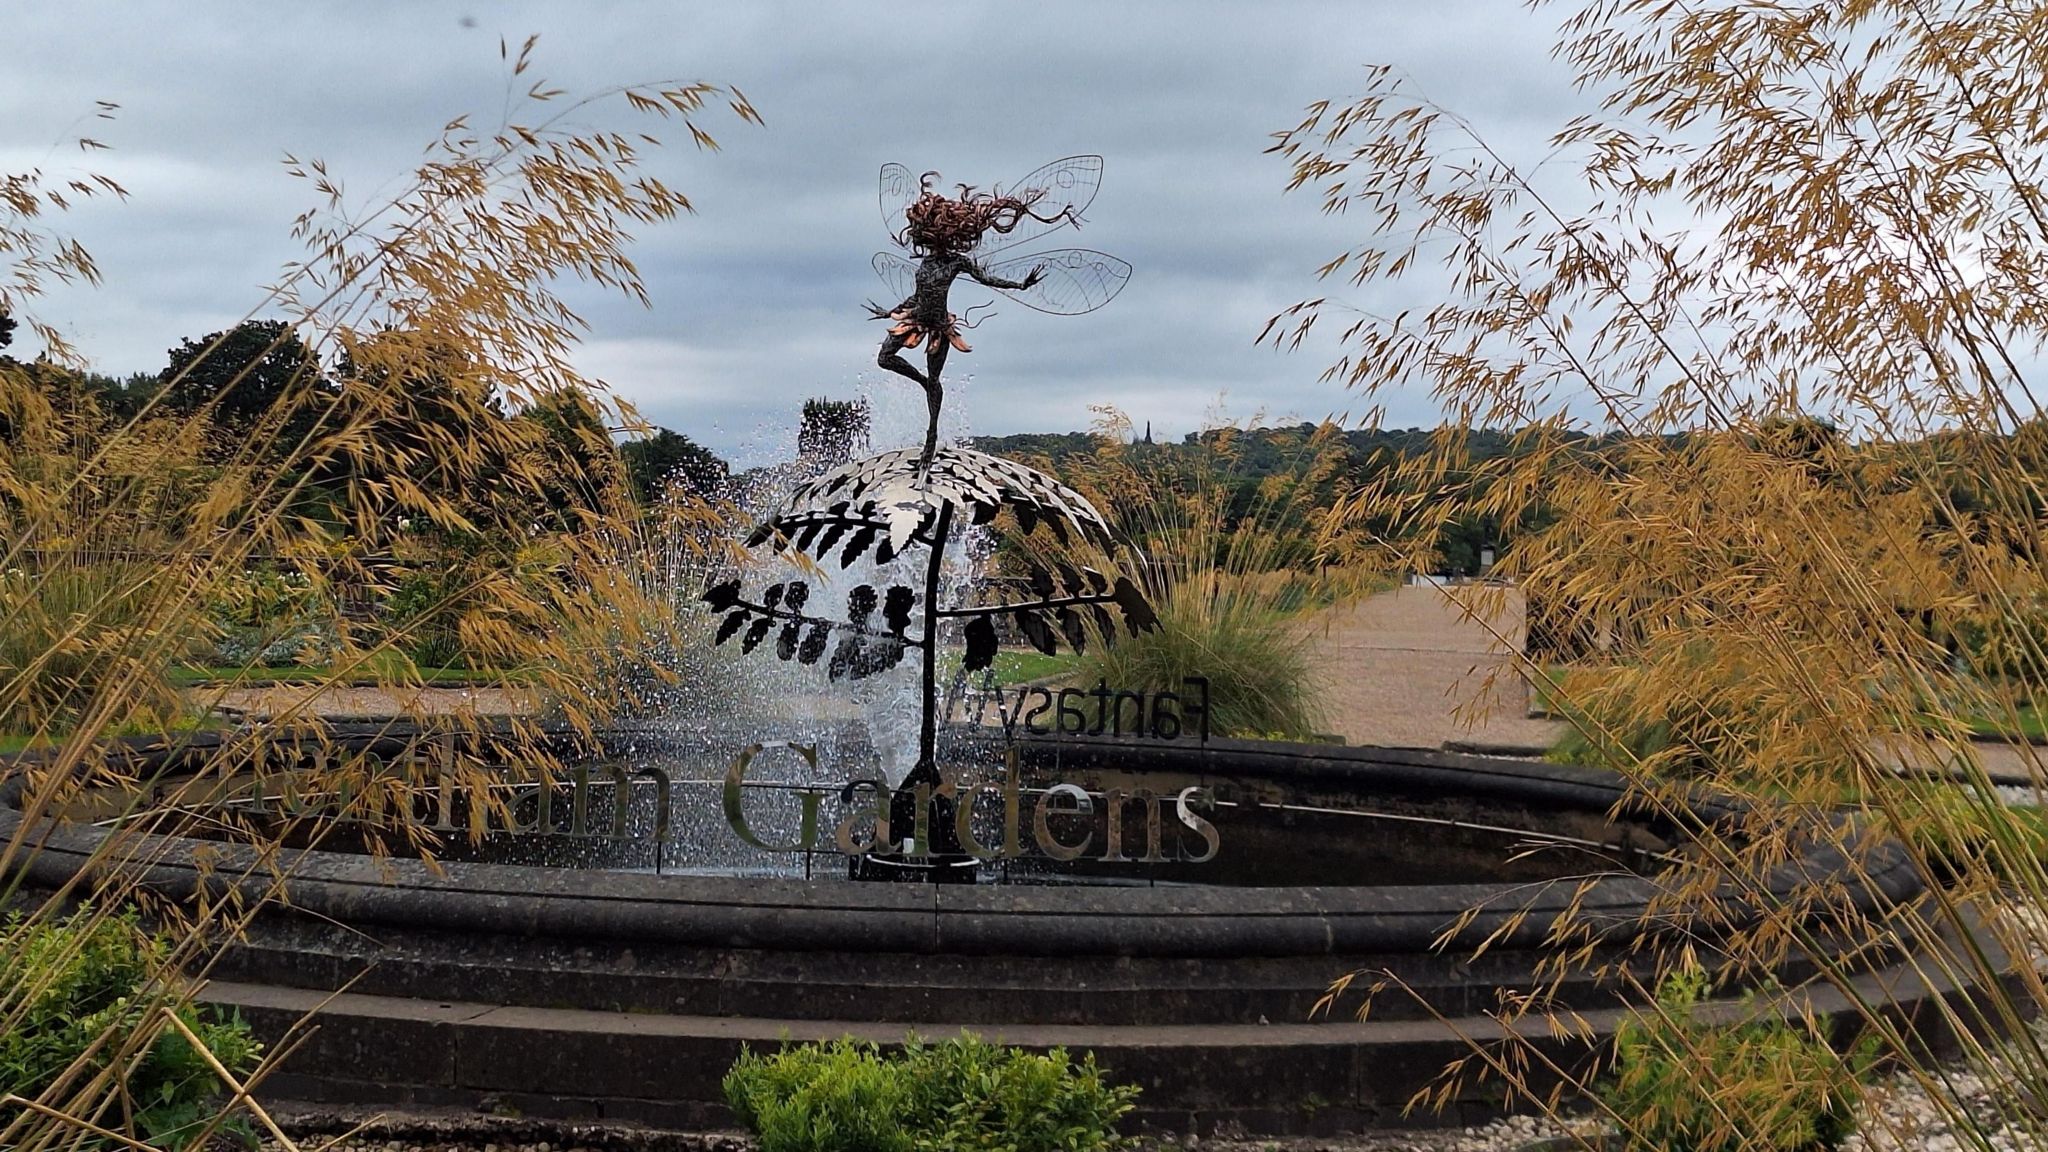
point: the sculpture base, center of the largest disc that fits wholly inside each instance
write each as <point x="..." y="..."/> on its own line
<point x="943" y="863"/>
<point x="914" y="870"/>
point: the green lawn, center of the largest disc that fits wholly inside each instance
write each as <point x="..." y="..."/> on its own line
<point x="1021" y="666"/>
<point x="1012" y="666"/>
<point x="11" y="744"/>
<point x="2031" y="727"/>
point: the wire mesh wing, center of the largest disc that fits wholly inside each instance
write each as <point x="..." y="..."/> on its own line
<point x="1066" y="187"/>
<point x="899" y="273"/>
<point x="900" y="189"/>
<point x="1076" y="280"/>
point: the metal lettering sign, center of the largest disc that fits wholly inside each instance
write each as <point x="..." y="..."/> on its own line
<point x="867" y="829"/>
<point x="1061" y="822"/>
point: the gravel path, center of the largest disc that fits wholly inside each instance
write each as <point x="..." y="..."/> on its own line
<point x="1413" y="668"/>
<point x="1507" y="1136"/>
<point x="1898" y="1117"/>
<point x="480" y="1143"/>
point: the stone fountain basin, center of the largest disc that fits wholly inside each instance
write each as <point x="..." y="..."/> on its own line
<point x="589" y="993"/>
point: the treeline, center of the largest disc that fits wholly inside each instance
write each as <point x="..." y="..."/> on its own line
<point x="1247" y="463"/>
<point x="234" y="381"/>
<point x="227" y="384"/>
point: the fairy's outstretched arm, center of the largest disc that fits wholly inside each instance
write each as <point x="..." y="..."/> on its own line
<point x="981" y="275"/>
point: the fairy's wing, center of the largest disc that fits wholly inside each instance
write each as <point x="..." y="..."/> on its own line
<point x="1065" y="188"/>
<point x="898" y="273"/>
<point x="1076" y="280"/>
<point x="900" y="189"/>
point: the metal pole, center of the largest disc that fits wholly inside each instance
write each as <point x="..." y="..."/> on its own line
<point x="928" y="732"/>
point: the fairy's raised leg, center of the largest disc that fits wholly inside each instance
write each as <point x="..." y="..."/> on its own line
<point x="889" y="357"/>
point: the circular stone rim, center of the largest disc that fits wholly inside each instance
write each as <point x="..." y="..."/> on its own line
<point x="931" y="918"/>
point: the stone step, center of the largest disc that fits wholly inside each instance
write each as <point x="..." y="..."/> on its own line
<point x="884" y="988"/>
<point x="665" y="1071"/>
<point x="1283" y="1077"/>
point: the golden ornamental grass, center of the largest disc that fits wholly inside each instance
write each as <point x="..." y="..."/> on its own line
<point x="1236" y="565"/>
<point x="1766" y="330"/>
<point x="437" y="432"/>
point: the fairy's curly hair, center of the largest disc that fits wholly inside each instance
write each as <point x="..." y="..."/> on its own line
<point x="936" y="223"/>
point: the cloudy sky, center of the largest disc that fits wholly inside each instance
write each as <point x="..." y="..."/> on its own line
<point x="757" y="298"/>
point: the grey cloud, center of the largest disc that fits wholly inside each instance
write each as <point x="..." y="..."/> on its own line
<point x="757" y="298"/>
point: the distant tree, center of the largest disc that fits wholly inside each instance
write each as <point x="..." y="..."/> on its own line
<point x="579" y="468"/>
<point x="64" y="396"/>
<point x="831" y="430"/>
<point x="1053" y="447"/>
<point x="128" y="553"/>
<point x="668" y="458"/>
<point x="419" y="428"/>
<point x="122" y="397"/>
<point x="6" y="329"/>
<point x="242" y="374"/>
<point x="1808" y="440"/>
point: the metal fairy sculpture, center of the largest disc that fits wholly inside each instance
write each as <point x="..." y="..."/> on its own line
<point x="888" y="503"/>
<point x="955" y="236"/>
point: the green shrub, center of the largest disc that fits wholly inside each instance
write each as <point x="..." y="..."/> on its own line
<point x="1685" y="1085"/>
<point x="272" y="618"/>
<point x="978" y="1096"/>
<point x="65" y="986"/>
<point x="425" y="610"/>
<point x="1255" y="657"/>
<point x="1235" y="563"/>
<point x="2007" y="644"/>
<point x="1686" y="727"/>
<point x="1963" y="833"/>
<point x="964" y="1095"/>
<point x="840" y="1097"/>
<point x="85" y="636"/>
